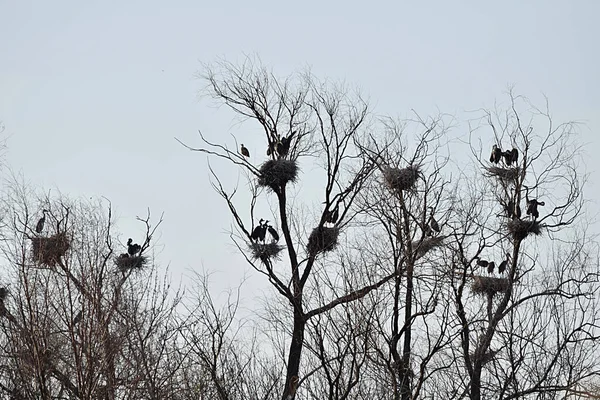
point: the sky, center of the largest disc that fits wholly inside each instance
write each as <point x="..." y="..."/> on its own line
<point x="92" y="94"/>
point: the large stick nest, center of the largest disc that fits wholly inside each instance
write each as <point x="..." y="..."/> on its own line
<point x="401" y="179"/>
<point x="521" y="229"/>
<point x="49" y="250"/>
<point x="126" y="263"/>
<point x="504" y="174"/>
<point x="422" y="247"/>
<point x="265" y="251"/>
<point x="274" y="174"/>
<point x="323" y="239"/>
<point x="489" y="285"/>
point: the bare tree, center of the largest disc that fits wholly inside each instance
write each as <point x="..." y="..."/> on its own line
<point x="302" y="119"/>
<point x="530" y="329"/>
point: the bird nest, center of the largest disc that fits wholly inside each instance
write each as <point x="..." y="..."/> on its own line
<point x="401" y="179"/>
<point x="521" y="229"/>
<point x="489" y="285"/>
<point x="274" y="174"/>
<point x="323" y="239"/>
<point x="126" y="263"/>
<point x="49" y="250"/>
<point x="422" y="247"/>
<point x="265" y="251"/>
<point x="505" y="174"/>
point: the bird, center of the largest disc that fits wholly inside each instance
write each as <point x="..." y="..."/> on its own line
<point x="283" y="147"/>
<point x="133" y="249"/>
<point x="271" y="148"/>
<point x="244" y="151"/>
<point x="255" y="235"/>
<point x="273" y="233"/>
<point x="40" y="224"/>
<point x="496" y="154"/>
<point x="503" y="264"/>
<point x="263" y="231"/>
<point x="507" y="157"/>
<point x="77" y="318"/>
<point x="532" y="205"/>
<point x="332" y="216"/>
<point x="433" y="223"/>
<point x="515" y="155"/>
<point x="490" y="267"/>
<point x="481" y="263"/>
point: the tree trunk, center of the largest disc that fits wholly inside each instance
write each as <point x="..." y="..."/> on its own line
<point x="295" y="353"/>
<point x="405" y="373"/>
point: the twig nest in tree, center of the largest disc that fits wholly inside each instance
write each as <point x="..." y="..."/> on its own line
<point x="126" y="263"/>
<point x="48" y="250"/>
<point x="422" y="247"/>
<point x="489" y="285"/>
<point x="521" y="229"/>
<point x="274" y="174"/>
<point x="402" y="179"/>
<point x="265" y="251"/>
<point x="504" y="174"/>
<point x="323" y="239"/>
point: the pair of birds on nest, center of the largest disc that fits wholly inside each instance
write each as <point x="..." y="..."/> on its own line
<point x="259" y="232"/>
<point x="132" y="249"/>
<point x="490" y="265"/>
<point x="281" y="147"/>
<point x="510" y="156"/>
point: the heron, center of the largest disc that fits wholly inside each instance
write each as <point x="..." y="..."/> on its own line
<point x="532" y="205"/>
<point x="78" y="318"/>
<point x="433" y="223"/>
<point x="503" y="264"/>
<point x="508" y="157"/>
<point x="283" y="147"/>
<point x="490" y="267"/>
<point x="332" y="216"/>
<point x="273" y="233"/>
<point x="515" y="156"/>
<point x="132" y="248"/>
<point x="244" y="151"/>
<point x="481" y="263"/>
<point x="496" y="154"/>
<point x="263" y="231"/>
<point x="255" y="235"/>
<point x="40" y="224"/>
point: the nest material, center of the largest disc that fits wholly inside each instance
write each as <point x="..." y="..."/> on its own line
<point x="489" y="285"/>
<point x="505" y="174"/>
<point x="323" y="239"/>
<point x="274" y="174"/>
<point x="422" y="247"/>
<point x="401" y="179"/>
<point x="49" y="250"/>
<point x="521" y="229"/>
<point x="265" y="251"/>
<point x="126" y="263"/>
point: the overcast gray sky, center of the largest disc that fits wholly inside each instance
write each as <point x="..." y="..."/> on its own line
<point x="92" y="93"/>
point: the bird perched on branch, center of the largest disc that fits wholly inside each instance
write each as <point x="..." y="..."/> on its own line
<point x="503" y="264"/>
<point x="133" y="249"/>
<point x="260" y="231"/>
<point x="490" y="267"/>
<point x="283" y="147"/>
<point x="481" y="263"/>
<point x="496" y="154"/>
<point x="39" y="227"/>
<point x="333" y="215"/>
<point x="432" y="222"/>
<point x="244" y="151"/>
<point x="532" y="205"/>
<point x="273" y="233"/>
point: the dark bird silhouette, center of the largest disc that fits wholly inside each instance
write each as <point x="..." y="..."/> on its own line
<point x="532" y="205"/>
<point x="490" y="267"/>
<point x="40" y="224"/>
<point x="271" y="148"/>
<point x="273" y="233"/>
<point x="496" y="154"/>
<point x="78" y="318"/>
<point x="244" y="151"/>
<point x="283" y="147"/>
<point x="3" y="293"/>
<point x="503" y="264"/>
<point x="515" y="156"/>
<point x="507" y="157"/>
<point x="481" y="263"/>
<point x="257" y="230"/>
<point x="133" y="249"/>
<point x="433" y="223"/>
<point x="263" y="232"/>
